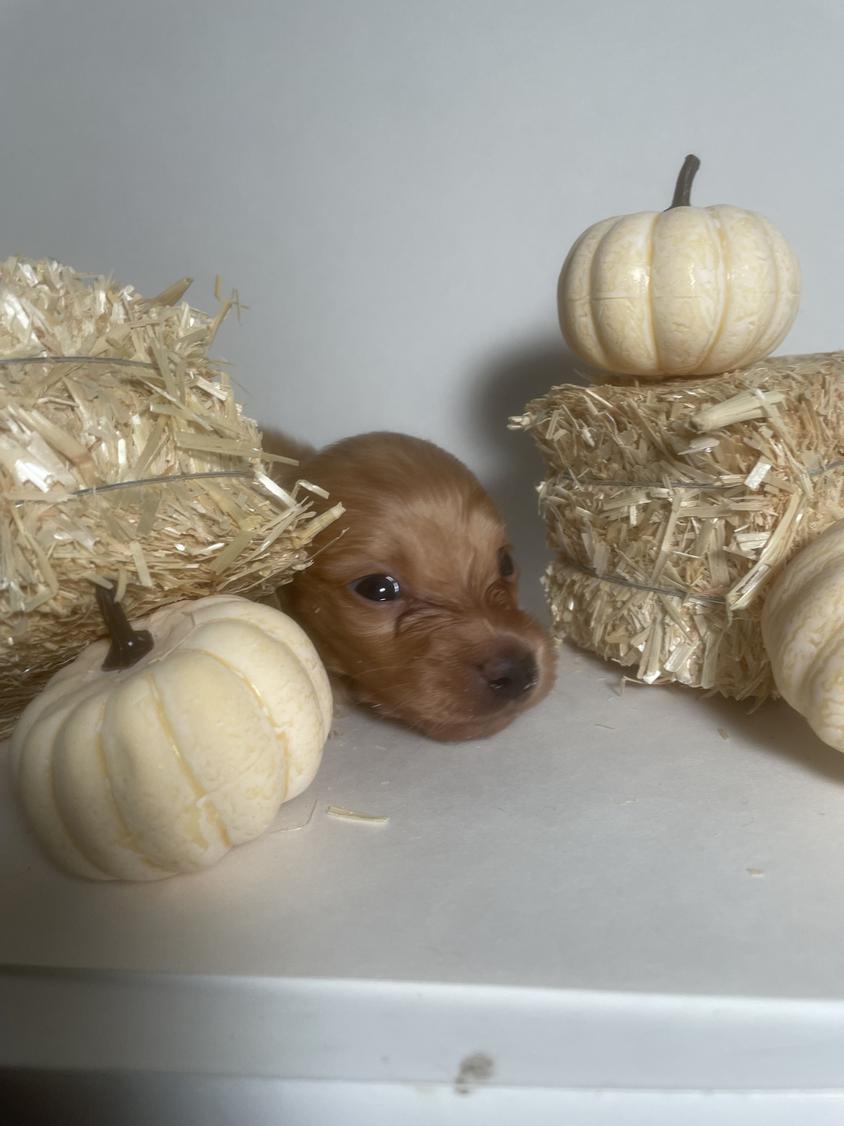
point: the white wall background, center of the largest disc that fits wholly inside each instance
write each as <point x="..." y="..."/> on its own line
<point x="393" y="185"/>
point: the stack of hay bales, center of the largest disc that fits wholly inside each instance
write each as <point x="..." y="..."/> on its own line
<point x="670" y="506"/>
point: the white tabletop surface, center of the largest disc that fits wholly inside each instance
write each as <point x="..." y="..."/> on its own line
<point x="651" y="841"/>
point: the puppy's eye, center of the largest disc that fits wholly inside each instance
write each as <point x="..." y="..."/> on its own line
<point x="506" y="566"/>
<point x="377" y="588"/>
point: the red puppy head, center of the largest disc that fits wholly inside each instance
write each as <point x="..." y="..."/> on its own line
<point x="415" y="606"/>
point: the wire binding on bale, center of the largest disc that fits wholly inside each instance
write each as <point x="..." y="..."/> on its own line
<point x="671" y="505"/>
<point x="125" y="461"/>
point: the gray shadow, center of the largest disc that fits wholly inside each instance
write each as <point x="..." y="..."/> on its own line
<point x="778" y="729"/>
<point x="276" y="441"/>
<point x="503" y="389"/>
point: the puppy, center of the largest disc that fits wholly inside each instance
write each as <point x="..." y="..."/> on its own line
<point x="411" y="597"/>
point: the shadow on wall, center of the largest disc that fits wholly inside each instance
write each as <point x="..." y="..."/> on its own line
<point x="285" y="445"/>
<point x="503" y="388"/>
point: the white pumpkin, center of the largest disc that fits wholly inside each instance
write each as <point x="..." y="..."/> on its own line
<point x="803" y="630"/>
<point x="687" y="291"/>
<point x="142" y="772"/>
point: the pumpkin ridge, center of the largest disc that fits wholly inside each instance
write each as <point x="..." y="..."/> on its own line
<point x="726" y="275"/>
<point x="262" y="705"/>
<point x="816" y="585"/>
<point x="607" y="351"/>
<point x="63" y="820"/>
<point x="779" y="280"/>
<point x="307" y="659"/>
<point x="763" y="329"/>
<point x="289" y="652"/>
<point x="785" y="272"/>
<point x="184" y="764"/>
<point x="817" y="670"/>
<point x="563" y="307"/>
<point x="650" y="302"/>
<point x="129" y="841"/>
<point x="84" y="689"/>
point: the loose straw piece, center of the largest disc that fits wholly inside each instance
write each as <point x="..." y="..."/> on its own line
<point x="354" y="815"/>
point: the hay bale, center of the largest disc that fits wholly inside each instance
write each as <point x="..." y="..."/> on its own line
<point x="126" y="461"/>
<point x="671" y="505"/>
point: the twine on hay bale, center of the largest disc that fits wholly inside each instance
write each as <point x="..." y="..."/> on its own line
<point x="671" y="505"/>
<point x="125" y="461"/>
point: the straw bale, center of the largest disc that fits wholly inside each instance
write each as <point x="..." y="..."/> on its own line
<point x="670" y="506"/>
<point x="126" y="461"/>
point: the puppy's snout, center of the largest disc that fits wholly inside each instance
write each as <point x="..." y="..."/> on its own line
<point x="510" y="676"/>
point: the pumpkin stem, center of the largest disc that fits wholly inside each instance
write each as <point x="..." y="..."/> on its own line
<point x="127" y="645"/>
<point x="683" y="190"/>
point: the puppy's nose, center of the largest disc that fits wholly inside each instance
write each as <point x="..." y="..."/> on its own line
<point x="508" y="677"/>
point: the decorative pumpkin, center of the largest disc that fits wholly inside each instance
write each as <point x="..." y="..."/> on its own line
<point x="803" y="629"/>
<point x="687" y="291"/>
<point x="157" y="755"/>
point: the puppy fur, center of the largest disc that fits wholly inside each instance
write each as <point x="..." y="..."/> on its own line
<point x="451" y="654"/>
